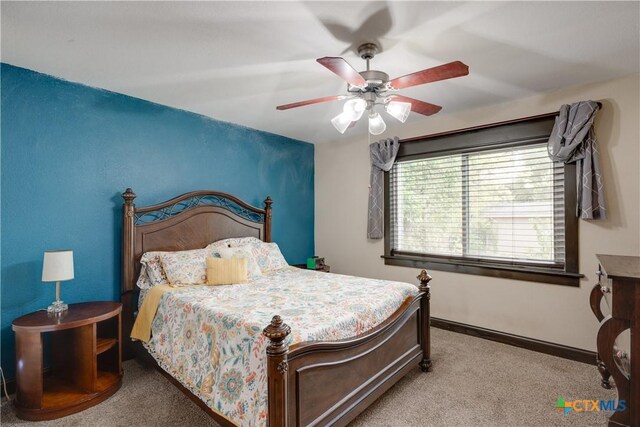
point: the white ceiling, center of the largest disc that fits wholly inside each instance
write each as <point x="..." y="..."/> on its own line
<point x="235" y="61"/>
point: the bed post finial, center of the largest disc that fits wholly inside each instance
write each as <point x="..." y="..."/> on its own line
<point x="425" y="320"/>
<point x="424" y="279"/>
<point x="267" y="219"/>
<point x="277" y="331"/>
<point x="128" y="196"/>
<point x="277" y="370"/>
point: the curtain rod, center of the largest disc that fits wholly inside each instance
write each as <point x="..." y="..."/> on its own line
<point x="469" y="129"/>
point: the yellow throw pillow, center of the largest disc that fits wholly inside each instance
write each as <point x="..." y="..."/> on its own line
<point x="226" y="271"/>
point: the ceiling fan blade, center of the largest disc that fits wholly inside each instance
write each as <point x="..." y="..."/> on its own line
<point x="441" y="72"/>
<point x="343" y="70"/>
<point x="418" y="106"/>
<point x="310" y="101"/>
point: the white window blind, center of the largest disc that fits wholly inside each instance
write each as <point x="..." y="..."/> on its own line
<point x="500" y="205"/>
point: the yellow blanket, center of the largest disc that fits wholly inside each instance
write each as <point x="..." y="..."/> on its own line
<point x="142" y="326"/>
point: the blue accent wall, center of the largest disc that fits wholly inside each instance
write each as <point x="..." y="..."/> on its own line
<point x="69" y="150"/>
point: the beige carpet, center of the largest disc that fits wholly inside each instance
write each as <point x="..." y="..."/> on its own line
<point x="474" y="383"/>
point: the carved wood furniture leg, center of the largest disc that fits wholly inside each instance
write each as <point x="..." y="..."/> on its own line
<point x="605" y="382"/>
<point x="609" y="330"/>
<point x="29" y="369"/>
<point x="277" y="371"/>
<point x="595" y="299"/>
<point x="425" y="321"/>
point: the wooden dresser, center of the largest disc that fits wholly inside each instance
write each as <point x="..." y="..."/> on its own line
<point x="619" y="280"/>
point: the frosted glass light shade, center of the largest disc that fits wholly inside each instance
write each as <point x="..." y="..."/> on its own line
<point x="399" y="110"/>
<point x="57" y="266"/>
<point x="341" y="122"/>
<point x="354" y="108"/>
<point x="376" y="124"/>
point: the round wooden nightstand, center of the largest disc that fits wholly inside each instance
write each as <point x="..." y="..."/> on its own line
<point x="86" y="356"/>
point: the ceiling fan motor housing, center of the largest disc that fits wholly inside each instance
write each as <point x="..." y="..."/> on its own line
<point x="368" y="50"/>
<point x="375" y="79"/>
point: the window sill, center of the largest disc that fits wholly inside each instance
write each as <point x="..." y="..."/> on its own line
<point x="529" y="274"/>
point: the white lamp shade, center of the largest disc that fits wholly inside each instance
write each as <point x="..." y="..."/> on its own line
<point x="376" y="124"/>
<point x="399" y="110"/>
<point x="57" y="266"/>
<point x="341" y="122"/>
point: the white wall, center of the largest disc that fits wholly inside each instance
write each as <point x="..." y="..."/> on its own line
<point x="552" y="313"/>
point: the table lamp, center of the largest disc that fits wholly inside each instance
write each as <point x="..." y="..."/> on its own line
<point x="57" y="267"/>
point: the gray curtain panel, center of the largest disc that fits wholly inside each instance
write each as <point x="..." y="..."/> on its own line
<point x="573" y="140"/>
<point x="382" y="154"/>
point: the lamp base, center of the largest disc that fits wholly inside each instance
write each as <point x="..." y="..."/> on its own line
<point x="57" y="307"/>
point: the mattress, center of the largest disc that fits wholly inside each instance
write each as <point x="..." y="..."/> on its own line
<point x="210" y="337"/>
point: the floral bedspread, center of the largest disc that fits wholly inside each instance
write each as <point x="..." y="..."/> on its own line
<point x="210" y="337"/>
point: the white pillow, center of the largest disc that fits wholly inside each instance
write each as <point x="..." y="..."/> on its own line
<point x="151" y="272"/>
<point x="268" y="257"/>
<point x="242" y="252"/>
<point x="185" y="267"/>
<point x="143" y="280"/>
<point x="232" y="242"/>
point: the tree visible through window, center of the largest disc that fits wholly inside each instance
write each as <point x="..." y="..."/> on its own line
<point x="504" y="204"/>
<point x="485" y="201"/>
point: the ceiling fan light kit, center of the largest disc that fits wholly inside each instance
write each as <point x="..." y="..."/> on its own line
<point x="376" y="124"/>
<point x="354" y="108"/>
<point x="369" y="88"/>
<point x="399" y="110"/>
<point x="341" y="122"/>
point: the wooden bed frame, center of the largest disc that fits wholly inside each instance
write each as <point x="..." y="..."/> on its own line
<point x="311" y="383"/>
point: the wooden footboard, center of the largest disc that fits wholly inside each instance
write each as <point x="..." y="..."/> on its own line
<point x="330" y="383"/>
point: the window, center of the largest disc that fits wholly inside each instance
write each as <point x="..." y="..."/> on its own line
<point x="487" y="202"/>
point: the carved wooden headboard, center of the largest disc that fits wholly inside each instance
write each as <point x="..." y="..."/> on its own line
<point x="190" y="221"/>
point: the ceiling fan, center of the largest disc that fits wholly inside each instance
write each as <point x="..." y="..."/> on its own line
<point x="369" y="88"/>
